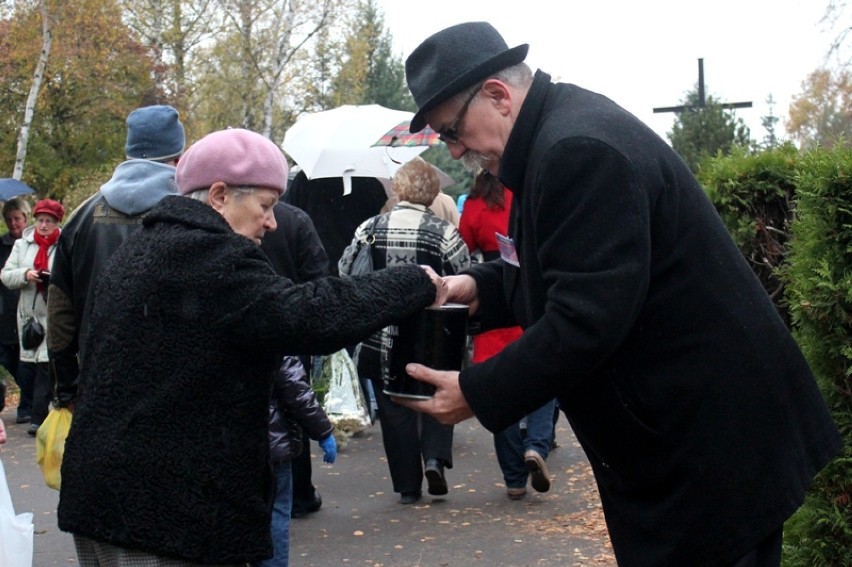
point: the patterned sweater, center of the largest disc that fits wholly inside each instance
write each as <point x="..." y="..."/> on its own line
<point x="408" y="234"/>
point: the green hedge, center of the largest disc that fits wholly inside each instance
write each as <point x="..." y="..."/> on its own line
<point x="791" y="215"/>
<point x="819" y="294"/>
<point x="754" y="195"/>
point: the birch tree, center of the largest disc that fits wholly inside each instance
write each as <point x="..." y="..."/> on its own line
<point x="95" y="75"/>
<point x="254" y="72"/>
<point x="284" y="23"/>
<point x="172" y="30"/>
<point x="38" y="75"/>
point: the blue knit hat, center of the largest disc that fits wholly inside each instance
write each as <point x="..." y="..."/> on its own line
<point x="154" y="133"/>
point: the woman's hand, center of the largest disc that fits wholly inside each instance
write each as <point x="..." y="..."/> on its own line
<point x="440" y="288"/>
<point x="32" y="276"/>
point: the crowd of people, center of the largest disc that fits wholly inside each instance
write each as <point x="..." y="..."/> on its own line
<point x="606" y="286"/>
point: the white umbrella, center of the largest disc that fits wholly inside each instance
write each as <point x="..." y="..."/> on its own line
<point x="339" y="143"/>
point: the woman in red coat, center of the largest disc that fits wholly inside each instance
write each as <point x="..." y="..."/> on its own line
<point x="485" y="214"/>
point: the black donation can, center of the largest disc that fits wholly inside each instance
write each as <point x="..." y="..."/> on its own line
<point x="435" y="337"/>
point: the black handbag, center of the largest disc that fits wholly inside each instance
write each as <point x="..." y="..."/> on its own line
<point x="32" y="332"/>
<point x="363" y="262"/>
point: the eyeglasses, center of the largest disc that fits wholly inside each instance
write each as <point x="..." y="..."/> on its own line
<point x="450" y="135"/>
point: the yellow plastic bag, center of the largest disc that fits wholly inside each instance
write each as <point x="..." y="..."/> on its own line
<point x="50" y="445"/>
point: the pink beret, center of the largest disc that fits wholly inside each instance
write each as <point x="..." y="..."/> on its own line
<point x="233" y="156"/>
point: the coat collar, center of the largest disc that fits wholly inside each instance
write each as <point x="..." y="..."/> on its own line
<point x="176" y="209"/>
<point x="513" y="166"/>
<point x="410" y="205"/>
<point x="29" y="234"/>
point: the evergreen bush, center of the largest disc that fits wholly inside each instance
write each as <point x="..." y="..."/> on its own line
<point x="818" y="277"/>
<point x="791" y="216"/>
<point x="754" y="195"/>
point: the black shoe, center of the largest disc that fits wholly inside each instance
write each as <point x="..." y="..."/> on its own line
<point x="435" y="477"/>
<point x="309" y="508"/>
<point x="33" y="429"/>
<point x="22" y="419"/>
<point x="410" y="497"/>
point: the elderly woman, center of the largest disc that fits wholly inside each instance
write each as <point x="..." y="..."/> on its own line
<point x="28" y="269"/>
<point x="16" y="214"/>
<point x="190" y="320"/>
<point x="409" y="234"/>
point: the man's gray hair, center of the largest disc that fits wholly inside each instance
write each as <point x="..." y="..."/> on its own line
<point x="518" y="76"/>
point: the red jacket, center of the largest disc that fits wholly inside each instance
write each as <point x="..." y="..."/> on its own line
<point x="478" y="226"/>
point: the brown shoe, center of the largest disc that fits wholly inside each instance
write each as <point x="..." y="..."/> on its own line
<point x="516" y="493"/>
<point x="539" y="475"/>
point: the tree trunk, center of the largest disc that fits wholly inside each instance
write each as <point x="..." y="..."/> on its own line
<point x="285" y="31"/>
<point x="32" y="98"/>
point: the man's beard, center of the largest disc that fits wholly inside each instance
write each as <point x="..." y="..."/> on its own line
<point x="476" y="162"/>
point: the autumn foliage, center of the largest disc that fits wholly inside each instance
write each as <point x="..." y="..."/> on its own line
<point x="95" y="73"/>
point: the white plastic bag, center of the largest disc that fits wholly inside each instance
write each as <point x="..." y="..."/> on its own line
<point x="335" y="378"/>
<point x="16" y="532"/>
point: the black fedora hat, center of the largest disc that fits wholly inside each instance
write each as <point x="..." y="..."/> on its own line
<point x="453" y="59"/>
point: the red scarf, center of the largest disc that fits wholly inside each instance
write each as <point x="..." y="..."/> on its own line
<point x="44" y="244"/>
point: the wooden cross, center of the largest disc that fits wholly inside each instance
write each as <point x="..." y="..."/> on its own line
<point x="701" y="99"/>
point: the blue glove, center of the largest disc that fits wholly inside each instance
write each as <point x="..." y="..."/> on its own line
<point x="329" y="449"/>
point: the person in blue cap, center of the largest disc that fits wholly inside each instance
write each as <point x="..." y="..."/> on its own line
<point x="701" y="419"/>
<point x="155" y="141"/>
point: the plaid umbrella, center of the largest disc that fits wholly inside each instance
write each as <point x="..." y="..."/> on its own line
<point x="400" y="136"/>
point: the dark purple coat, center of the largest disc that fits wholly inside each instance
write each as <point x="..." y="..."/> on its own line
<point x="695" y="407"/>
<point x="293" y="408"/>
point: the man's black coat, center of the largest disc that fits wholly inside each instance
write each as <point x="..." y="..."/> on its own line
<point x="698" y="413"/>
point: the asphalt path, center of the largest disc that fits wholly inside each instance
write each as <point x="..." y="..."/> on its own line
<point x="361" y="522"/>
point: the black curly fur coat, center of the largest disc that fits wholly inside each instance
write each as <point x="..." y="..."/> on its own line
<point x="168" y="451"/>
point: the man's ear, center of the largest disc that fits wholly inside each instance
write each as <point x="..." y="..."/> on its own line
<point x="218" y="196"/>
<point x="499" y="94"/>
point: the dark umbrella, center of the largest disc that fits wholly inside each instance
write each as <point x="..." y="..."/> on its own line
<point x="10" y="188"/>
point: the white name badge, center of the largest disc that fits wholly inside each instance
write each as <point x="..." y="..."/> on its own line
<point x="508" y="252"/>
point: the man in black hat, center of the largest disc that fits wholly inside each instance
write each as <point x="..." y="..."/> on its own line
<point x="698" y="413"/>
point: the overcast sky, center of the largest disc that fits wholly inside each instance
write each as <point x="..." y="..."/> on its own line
<point x="644" y="54"/>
